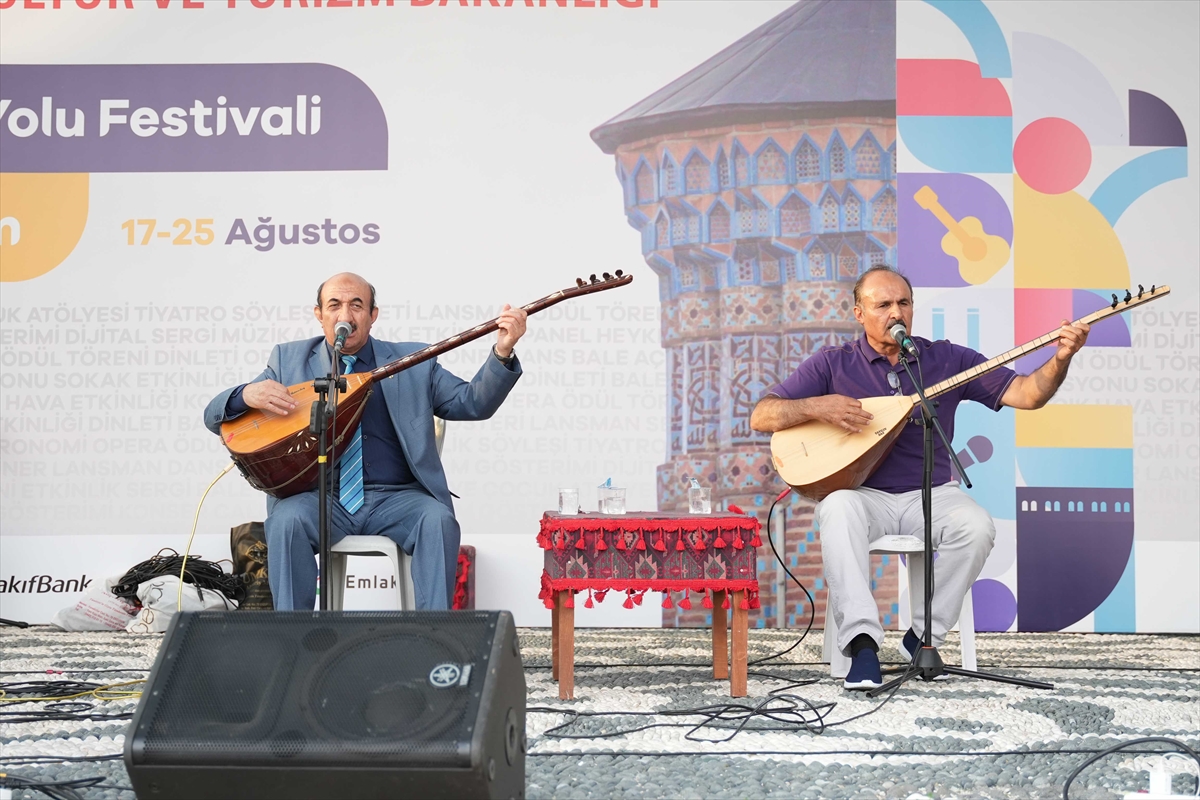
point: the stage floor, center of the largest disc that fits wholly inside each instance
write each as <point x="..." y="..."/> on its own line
<point x="955" y="738"/>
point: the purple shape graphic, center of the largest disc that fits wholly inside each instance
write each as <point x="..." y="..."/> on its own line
<point x="1070" y="555"/>
<point x="1153" y="123"/>
<point x="188" y="118"/>
<point x="995" y="606"/>
<point x="919" y="250"/>
<point x="1111" y="332"/>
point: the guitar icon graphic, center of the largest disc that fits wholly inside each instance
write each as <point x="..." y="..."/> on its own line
<point x="980" y="255"/>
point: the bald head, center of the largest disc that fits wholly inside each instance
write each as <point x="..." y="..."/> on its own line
<point x="368" y="289"/>
<point x="878" y="273"/>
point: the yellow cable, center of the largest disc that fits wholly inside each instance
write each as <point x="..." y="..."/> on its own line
<point x="91" y="693"/>
<point x="195" y="522"/>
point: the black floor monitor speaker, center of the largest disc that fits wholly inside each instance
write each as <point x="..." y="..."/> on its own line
<point x="332" y="704"/>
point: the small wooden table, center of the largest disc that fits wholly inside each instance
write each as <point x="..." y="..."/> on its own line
<point x="711" y="554"/>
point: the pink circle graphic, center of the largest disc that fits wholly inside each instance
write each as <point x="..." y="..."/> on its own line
<point x="1052" y="155"/>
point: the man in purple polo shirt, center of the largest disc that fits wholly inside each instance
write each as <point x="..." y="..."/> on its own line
<point x="825" y="387"/>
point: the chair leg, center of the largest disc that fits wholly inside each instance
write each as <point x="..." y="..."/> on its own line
<point x="741" y="624"/>
<point x="966" y="632"/>
<point x="839" y="665"/>
<point x="720" y="626"/>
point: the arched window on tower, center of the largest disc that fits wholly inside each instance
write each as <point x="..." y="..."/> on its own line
<point x="771" y="165"/>
<point x="697" y="175"/>
<point x="794" y="217"/>
<point x="847" y="263"/>
<point x="745" y="258"/>
<point x="808" y="163"/>
<point x="829" y="213"/>
<point x="884" y="210"/>
<point x="817" y="263"/>
<point x="876" y="255"/>
<point x="687" y="274"/>
<point x="745" y="216"/>
<point x="718" y="223"/>
<point x="662" y="232"/>
<point x="741" y="171"/>
<point x="852" y="212"/>
<point x="837" y="159"/>
<point x="670" y="176"/>
<point x="724" y="178"/>
<point x="868" y="159"/>
<point x="644" y="179"/>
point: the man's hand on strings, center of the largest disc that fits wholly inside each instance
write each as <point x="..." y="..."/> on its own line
<point x="269" y="396"/>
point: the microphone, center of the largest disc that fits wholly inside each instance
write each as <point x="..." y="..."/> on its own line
<point x="900" y="334"/>
<point x="341" y="331"/>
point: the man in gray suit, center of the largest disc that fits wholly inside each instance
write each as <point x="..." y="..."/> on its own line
<point x="392" y="484"/>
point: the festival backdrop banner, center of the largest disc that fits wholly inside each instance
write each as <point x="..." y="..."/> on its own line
<point x="176" y="178"/>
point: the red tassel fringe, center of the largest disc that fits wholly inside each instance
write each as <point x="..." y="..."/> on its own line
<point x="588" y="603"/>
<point x="620" y="540"/>
<point x="600" y="544"/>
<point x="628" y="600"/>
<point x="718" y="543"/>
<point x="708" y="603"/>
<point x="641" y="545"/>
<point x="686" y="602"/>
<point x="667" y="600"/>
<point x="756" y="541"/>
<point x="679" y="541"/>
<point x="582" y="543"/>
<point x="660" y="545"/>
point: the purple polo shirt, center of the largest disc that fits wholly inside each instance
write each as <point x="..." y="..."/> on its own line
<point x="856" y="370"/>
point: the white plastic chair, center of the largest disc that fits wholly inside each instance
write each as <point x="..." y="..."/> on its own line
<point x="370" y="546"/>
<point x="913" y="547"/>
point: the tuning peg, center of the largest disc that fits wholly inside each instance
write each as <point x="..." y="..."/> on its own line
<point x="594" y="278"/>
<point x="1140" y="290"/>
<point x="1128" y="296"/>
<point x="580" y="282"/>
<point x="620" y="273"/>
<point x="607" y="277"/>
<point x="1152" y="288"/>
<point x="1114" y="303"/>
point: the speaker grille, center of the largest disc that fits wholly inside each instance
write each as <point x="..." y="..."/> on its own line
<point x="336" y="688"/>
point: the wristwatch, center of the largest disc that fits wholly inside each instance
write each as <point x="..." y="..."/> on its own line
<point x="506" y="361"/>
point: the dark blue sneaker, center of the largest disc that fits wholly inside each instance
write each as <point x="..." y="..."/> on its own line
<point x="909" y="645"/>
<point x="864" y="671"/>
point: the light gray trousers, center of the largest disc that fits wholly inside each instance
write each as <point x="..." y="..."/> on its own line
<point x="850" y="519"/>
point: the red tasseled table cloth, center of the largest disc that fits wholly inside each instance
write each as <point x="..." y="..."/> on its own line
<point x="675" y="554"/>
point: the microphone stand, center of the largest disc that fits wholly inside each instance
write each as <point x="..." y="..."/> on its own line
<point x="927" y="663"/>
<point x="322" y="421"/>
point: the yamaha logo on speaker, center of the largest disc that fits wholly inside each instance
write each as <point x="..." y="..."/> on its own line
<point x="443" y="676"/>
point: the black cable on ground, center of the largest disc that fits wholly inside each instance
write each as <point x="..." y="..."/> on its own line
<point x="58" y="790"/>
<point x="1120" y="747"/>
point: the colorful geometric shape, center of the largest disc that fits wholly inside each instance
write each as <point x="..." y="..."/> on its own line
<point x="1153" y="123"/>
<point x="994" y="477"/>
<point x="920" y="251"/>
<point x="1062" y="240"/>
<point x="959" y="144"/>
<point x="1070" y="559"/>
<point x="1037" y="312"/>
<point x="1075" y="426"/>
<point x="994" y="604"/>
<point x="931" y="87"/>
<point x="1052" y="80"/>
<point x="1118" y="612"/>
<point x="1052" y="155"/>
<point x="1077" y="468"/>
<point x="983" y="33"/>
<point x="43" y="219"/>
<point x="1133" y="179"/>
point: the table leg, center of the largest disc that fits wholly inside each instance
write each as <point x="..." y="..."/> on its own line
<point x="741" y="621"/>
<point x="554" y="641"/>
<point x="566" y="647"/>
<point x="720" y="639"/>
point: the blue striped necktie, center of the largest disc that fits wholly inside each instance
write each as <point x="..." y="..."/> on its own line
<point x="351" y="462"/>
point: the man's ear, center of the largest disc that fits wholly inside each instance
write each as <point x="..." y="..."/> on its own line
<point x="317" y="313"/>
<point x="374" y="314"/>
<point x="858" y="315"/>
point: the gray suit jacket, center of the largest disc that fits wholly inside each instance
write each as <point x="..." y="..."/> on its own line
<point x="413" y="397"/>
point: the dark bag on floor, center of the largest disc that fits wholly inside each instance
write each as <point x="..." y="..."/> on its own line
<point x="248" y="544"/>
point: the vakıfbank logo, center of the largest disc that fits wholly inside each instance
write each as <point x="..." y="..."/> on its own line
<point x="60" y="123"/>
